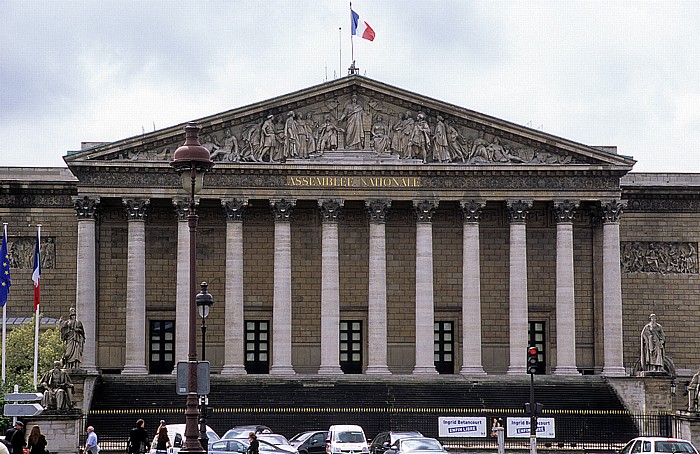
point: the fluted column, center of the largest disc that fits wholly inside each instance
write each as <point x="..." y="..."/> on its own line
<point x="234" y="316"/>
<point x="330" y="288"/>
<point x="376" y="314"/>
<point x="182" y="292"/>
<point x="566" y="308"/>
<point x="425" y="318"/>
<point x="518" y="307"/>
<point x="612" y="290"/>
<point x="136" y="287"/>
<point x="471" y="289"/>
<point x="282" y="300"/>
<point x="86" y="278"/>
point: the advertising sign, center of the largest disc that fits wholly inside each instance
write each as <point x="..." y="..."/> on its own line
<point x="462" y="426"/>
<point x="520" y="428"/>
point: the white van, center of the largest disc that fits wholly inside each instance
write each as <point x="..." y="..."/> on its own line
<point x="346" y="439"/>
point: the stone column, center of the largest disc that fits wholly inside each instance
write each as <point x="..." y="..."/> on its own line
<point x="182" y="291"/>
<point x="612" y="290"/>
<point x="86" y="278"/>
<point x="330" y="288"/>
<point x="376" y="313"/>
<point x="234" y="316"/>
<point x="425" y="319"/>
<point x="518" y="316"/>
<point x="566" y="308"/>
<point x="282" y="304"/>
<point x="471" y="289"/>
<point x="136" y="288"/>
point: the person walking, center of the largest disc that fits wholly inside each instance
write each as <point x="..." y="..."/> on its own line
<point x="138" y="438"/>
<point x="91" y="442"/>
<point x="162" y="440"/>
<point x="15" y="437"/>
<point x="37" y="441"/>
<point x="254" y="443"/>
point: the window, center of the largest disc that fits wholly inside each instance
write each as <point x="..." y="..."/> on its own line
<point x="444" y="347"/>
<point x="161" y="346"/>
<point x="257" y="346"/>
<point x="351" y="346"/>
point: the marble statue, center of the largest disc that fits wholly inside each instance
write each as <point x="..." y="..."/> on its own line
<point x="58" y="390"/>
<point x="73" y="335"/>
<point x="693" y="391"/>
<point x="653" y="347"/>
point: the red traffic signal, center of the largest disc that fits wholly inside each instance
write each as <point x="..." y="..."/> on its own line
<point x="533" y="360"/>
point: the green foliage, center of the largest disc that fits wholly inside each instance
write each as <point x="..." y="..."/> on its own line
<point x="19" y="366"/>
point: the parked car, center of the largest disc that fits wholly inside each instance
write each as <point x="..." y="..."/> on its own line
<point x="384" y="440"/>
<point x="275" y="439"/>
<point x="310" y="442"/>
<point x="653" y="445"/>
<point x="346" y="438"/>
<point x="416" y="445"/>
<point x="243" y="431"/>
<point x="176" y="433"/>
<point x="239" y="445"/>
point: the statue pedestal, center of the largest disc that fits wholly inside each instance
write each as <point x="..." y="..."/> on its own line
<point x="62" y="431"/>
<point x="689" y="426"/>
<point x="652" y="373"/>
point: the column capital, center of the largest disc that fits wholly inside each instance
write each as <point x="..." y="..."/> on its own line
<point x="471" y="210"/>
<point x="136" y="208"/>
<point x="611" y="210"/>
<point x="86" y="207"/>
<point x="518" y="210"/>
<point x="234" y="209"/>
<point x="282" y="209"/>
<point x="424" y="209"/>
<point x="182" y="208"/>
<point x="330" y="208"/>
<point x="564" y="210"/>
<point x="377" y="209"/>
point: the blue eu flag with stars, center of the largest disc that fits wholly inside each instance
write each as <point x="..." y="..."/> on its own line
<point x="5" y="271"/>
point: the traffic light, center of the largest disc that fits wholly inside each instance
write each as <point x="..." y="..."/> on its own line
<point x="533" y="360"/>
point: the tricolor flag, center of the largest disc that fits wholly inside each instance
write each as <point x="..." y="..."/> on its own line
<point x="5" y="271"/>
<point x="36" y="274"/>
<point x="360" y="27"/>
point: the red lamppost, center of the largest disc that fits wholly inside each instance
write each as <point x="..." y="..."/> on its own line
<point x="191" y="161"/>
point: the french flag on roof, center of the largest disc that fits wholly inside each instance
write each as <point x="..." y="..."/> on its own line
<point x="360" y="27"/>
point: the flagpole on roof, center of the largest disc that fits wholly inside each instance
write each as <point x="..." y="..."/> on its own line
<point x="352" y="45"/>
<point x="37" y="286"/>
<point x="4" y="307"/>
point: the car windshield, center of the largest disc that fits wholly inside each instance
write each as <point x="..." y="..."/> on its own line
<point x="351" y="437"/>
<point x="423" y="444"/>
<point x="274" y="439"/>
<point x="302" y="437"/>
<point x="674" y="446"/>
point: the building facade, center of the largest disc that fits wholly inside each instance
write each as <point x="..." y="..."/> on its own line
<point x="354" y="227"/>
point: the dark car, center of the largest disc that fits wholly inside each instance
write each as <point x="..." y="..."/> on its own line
<point x="384" y="440"/>
<point x="243" y="431"/>
<point x="416" y="445"/>
<point x="310" y="442"/>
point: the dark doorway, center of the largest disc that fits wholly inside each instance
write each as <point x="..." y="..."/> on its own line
<point x="161" y="346"/>
<point x="257" y="346"/>
<point x="444" y="347"/>
<point x="351" y="346"/>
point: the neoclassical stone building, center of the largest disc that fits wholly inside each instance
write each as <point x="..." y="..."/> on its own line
<point x="354" y="227"/>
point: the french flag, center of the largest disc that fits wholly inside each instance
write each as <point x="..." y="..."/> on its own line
<point x="360" y="27"/>
<point x="36" y="273"/>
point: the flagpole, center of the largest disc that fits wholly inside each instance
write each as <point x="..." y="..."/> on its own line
<point x="4" y="317"/>
<point x="340" y="50"/>
<point x="352" y="44"/>
<point x="36" y="311"/>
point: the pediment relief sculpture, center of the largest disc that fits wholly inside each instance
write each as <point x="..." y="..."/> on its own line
<point x="358" y="123"/>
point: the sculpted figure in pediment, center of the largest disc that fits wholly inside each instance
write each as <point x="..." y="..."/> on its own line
<point x="291" y="138"/>
<point x="381" y="142"/>
<point x="457" y="144"/>
<point x="268" y="140"/>
<point x="307" y="141"/>
<point x="328" y="135"/>
<point x="441" y="151"/>
<point x="420" y="138"/>
<point x="352" y="116"/>
<point x="226" y="150"/>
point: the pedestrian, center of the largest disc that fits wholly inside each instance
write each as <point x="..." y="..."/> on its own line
<point x="91" y="442"/>
<point x="138" y="438"/>
<point x="15" y="437"/>
<point x="37" y="441"/>
<point x="161" y="441"/>
<point x="254" y="443"/>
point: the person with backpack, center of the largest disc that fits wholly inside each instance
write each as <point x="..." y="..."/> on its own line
<point x="138" y="438"/>
<point x="15" y="438"/>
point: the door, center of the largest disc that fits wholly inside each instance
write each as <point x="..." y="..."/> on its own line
<point x="257" y="346"/>
<point x="161" y="346"/>
<point x="444" y="347"/>
<point x="536" y="336"/>
<point x="351" y="346"/>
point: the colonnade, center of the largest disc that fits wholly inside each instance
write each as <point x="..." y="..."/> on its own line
<point x="135" y="339"/>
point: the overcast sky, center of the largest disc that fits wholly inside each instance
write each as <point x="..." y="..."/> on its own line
<point x="624" y="73"/>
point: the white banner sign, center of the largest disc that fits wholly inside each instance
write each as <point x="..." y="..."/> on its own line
<point x="461" y="426"/>
<point x="520" y="428"/>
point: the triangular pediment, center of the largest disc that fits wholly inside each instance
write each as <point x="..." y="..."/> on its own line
<point x="357" y="120"/>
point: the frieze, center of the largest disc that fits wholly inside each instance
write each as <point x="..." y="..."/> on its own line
<point x="358" y="122"/>
<point x="690" y="204"/>
<point x="34" y="199"/>
<point x="659" y="257"/>
<point x="21" y="252"/>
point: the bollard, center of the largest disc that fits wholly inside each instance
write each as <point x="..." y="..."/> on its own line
<point x="500" y="436"/>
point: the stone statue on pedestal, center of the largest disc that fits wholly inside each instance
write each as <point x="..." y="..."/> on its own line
<point x="58" y="390"/>
<point x="653" y="346"/>
<point x="73" y="335"/>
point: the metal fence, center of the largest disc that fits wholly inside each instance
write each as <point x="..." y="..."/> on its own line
<point x="574" y="430"/>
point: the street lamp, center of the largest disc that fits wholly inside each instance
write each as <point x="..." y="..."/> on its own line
<point x="204" y="302"/>
<point x="191" y="161"/>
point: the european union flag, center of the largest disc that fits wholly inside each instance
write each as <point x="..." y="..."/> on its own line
<point x="5" y="276"/>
